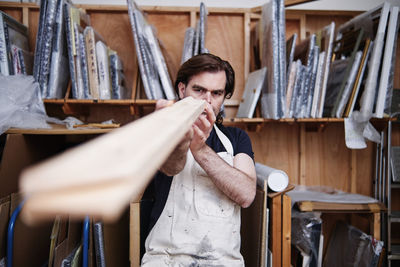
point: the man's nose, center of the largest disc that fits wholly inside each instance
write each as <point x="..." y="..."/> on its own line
<point x="207" y="97"/>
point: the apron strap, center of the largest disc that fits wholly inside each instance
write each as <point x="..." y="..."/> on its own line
<point x="224" y="140"/>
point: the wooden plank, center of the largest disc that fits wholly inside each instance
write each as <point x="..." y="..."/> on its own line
<point x="303" y="150"/>
<point x="164" y="9"/>
<point x="264" y="228"/>
<point x="25" y="16"/>
<point x="302" y="27"/>
<point x="193" y="18"/>
<point x="220" y="10"/>
<point x="246" y="40"/>
<point x="134" y="234"/>
<point x="353" y="172"/>
<point x="286" y="230"/>
<point x="276" y="194"/>
<point x="276" y="231"/>
<point x="296" y="2"/>
<point x="340" y="207"/>
<point x="18" y="5"/>
<point x="338" y="13"/>
<point x="100" y="177"/>
<point x="375" y="225"/>
<point x="56" y="129"/>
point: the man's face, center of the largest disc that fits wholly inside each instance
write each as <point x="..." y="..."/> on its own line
<point x="207" y="86"/>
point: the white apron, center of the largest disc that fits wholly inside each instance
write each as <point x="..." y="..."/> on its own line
<point x="199" y="225"/>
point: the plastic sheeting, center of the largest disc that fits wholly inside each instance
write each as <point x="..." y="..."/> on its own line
<point x="306" y="235"/>
<point x="274" y="58"/>
<point x="326" y="194"/>
<point x="350" y="247"/>
<point x="21" y="105"/>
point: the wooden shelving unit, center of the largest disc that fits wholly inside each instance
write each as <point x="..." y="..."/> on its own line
<point x="310" y="151"/>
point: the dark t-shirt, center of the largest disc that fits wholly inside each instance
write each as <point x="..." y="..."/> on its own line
<point x="161" y="183"/>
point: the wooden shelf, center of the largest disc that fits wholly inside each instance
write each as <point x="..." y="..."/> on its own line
<point x="120" y="102"/>
<point x="57" y="129"/>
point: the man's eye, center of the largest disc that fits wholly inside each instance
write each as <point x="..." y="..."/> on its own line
<point x="218" y="93"/>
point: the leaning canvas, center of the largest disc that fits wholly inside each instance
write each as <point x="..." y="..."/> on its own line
<point x="251" y="93"/>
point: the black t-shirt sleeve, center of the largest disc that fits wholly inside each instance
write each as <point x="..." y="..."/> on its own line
<point x="240" y="141"/>
<point x="243" y="144"/>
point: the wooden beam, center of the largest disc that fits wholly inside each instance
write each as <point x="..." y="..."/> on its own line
<point x="340" y="207"/>
<point x="193" y="18"/>
<point x="276" y="230"/>
<point x="101" y="177"/>
<point x="246" y="26"/>
<point x="286" y="229"/>
<point x="353" y="172"/>
<point x="302" y="166"/>
<point x="296" y="2"/>
<point x="25" y="16"/>
<point x="134" y="234"/>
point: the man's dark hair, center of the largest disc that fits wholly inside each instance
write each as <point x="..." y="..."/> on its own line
<point x="206" y="63"/>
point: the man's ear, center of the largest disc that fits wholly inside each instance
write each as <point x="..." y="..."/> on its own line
<point x="181" y="89"/>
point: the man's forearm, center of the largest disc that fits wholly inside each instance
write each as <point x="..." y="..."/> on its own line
<point x="176" y="161"/>
<point x="236" y="184"/>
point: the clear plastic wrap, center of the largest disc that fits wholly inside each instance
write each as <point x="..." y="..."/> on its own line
<point x="306" y="235"/>
<point x="290" y="86"/>
<point x="119" y="91"/>
<point x="348" y="85"/>
<point x="270" y="59"/>
<point x="318" y="84"/>
<point x="20" y="103"/>
<point x="203" y="27"/>
<point x="59" y="68"/>
<point x="188" y="44"/>
<point x="132" y="17"/>
<point x="103" y="69"/>
<point x="328" y="34"/>
<point x="326" y="194"/>
<point x="153" y="69"/>
<point x="274" y="58"/>
<point x="348" y="247"/>
<point x="47" y="45"/>
<point x="159" y="62"/>
<point x="313" y="78"/>
<point x="296" y="88"/>
<point x="336" y="76"/>
<point x="308" y="75"/>
<point x="84" y="66"/>
<point x="301" y="92"/>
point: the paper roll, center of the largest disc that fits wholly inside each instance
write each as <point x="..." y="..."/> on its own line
<point x="277" y="180"/>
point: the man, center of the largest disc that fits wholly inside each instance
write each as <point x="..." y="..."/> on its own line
<point x="196" y="215"/>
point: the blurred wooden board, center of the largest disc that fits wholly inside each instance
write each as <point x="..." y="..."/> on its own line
<point x="99" y="178"/>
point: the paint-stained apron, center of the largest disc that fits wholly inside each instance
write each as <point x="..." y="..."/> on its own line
<point x="199" y="225"/>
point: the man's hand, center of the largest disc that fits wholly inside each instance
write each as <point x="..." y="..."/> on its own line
<point x="162" y="103"/>
<point x="202" y="129"/>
